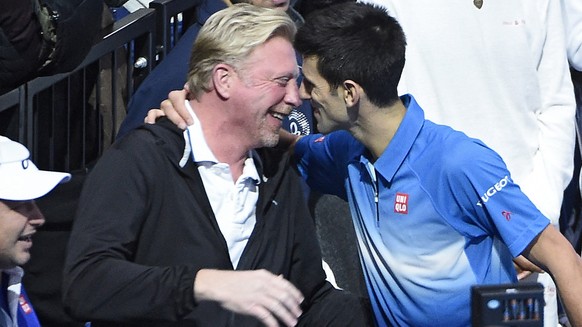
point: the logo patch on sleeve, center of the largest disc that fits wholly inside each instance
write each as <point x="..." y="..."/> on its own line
<point x="506" y="214"/>
<point x="401" y="203"/>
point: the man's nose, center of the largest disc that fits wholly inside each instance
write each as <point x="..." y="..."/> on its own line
<point x="303" y="92"/>
<point x="292" y="95"/>
<point x="35" y="217"/>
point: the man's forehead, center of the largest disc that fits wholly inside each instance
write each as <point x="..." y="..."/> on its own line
<point x="309" y="67"/>
<point x="277" y="57"/>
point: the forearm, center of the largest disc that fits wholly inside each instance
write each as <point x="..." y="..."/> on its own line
<point x="551" y="250"/>
<point x="117" y="290"/>
<point x="569" y="286"/>
<point x="111" y="272"/>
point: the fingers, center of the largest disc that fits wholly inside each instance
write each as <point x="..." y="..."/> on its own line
<point x="522" y="263"/>
<point x="258" y="293"/>
<point x="523" y="274"/>
<point x="176" y="110"/>
<point x="152" y="115"/>
<point x="268" y="316"/>
<point x="282" y="300"/>
<point x="289" y="296"/>
<point x="265" y="316"/>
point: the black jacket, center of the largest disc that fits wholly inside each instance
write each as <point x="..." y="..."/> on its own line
<point x="20" y="43"/>
<point x="42" y="38"/>
<point x="145" y="227"/>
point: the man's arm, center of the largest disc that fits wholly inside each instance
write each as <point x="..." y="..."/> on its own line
<point x="100" y="281"/>
<point x="551" y="250"/>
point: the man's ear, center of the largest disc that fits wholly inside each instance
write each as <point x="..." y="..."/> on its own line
<point x="222" y="80"/>
<point x="352" y="93"/>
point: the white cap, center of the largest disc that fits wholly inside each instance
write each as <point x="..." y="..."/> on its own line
<point x="19" y="178"/>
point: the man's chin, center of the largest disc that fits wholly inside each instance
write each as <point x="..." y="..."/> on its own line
<point x="269" y="142"/>
<point x="20" y="259"/>
<point x="323" y="129"/>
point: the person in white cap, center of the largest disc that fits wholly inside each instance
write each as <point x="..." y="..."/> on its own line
<point x="21" y="182"/>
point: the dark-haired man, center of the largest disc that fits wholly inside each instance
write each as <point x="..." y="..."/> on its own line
<point x="434" y="210"/>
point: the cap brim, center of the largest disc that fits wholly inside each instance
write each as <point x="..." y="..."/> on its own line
<point x="29" y="185"/>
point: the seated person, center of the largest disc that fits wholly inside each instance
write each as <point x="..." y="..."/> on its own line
<point x="208" y="227"/>
<point x="20" y="184"/>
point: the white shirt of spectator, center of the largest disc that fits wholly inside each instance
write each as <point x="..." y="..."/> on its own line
<point x="233" y="203"/>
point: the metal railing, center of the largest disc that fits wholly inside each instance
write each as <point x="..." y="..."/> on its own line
<point x="173" y="16"/>
<point x="67" y="120"/>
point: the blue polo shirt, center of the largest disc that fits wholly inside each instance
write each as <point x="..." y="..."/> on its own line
<point x="434" y="215"/>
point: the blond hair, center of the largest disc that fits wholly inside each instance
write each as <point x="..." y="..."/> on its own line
<point x="229" y="36"/>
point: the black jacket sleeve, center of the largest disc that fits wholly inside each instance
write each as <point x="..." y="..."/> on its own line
<point x="101" y="281"/>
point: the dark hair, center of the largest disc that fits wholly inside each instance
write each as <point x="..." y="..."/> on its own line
<point x="356" y="41"/>
<point x="306" y="7"/>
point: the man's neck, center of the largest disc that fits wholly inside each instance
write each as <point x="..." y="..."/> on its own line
<point x="377" y="126"/>
<point x="222" y="138"/>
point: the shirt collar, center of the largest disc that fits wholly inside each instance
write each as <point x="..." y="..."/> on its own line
<point x="202" y="153"/>
<point x="15" y="273"/>
<point x="398" y="149"/>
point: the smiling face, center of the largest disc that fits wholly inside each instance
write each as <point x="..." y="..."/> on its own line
<point x="329" y="107"/>
<point x="18" y="222"/>
<point x="265" y="91"/>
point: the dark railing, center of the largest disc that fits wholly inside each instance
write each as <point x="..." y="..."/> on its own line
<point x="68" y="119"/>
<point x="173" y="16"/>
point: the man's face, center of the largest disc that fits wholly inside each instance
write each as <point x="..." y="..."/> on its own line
<point x="18" y="222"/>
<point x="265" y="92"/>
<point x="277" y="4"/>
<point x="328" y="105"/>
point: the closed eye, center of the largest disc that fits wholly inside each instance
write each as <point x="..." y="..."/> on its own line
<point x="307" y="85"/>
<point x="282" y="81"/>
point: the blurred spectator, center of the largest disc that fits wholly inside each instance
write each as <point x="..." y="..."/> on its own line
<point x="572" y="15"/>
<point x="40" y="38"/>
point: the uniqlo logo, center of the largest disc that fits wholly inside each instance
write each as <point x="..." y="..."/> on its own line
<point x="401" y="203"/>
<point x="24" y="305"/>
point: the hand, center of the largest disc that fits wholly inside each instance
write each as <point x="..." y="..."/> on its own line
<point x="524" y="267"/>
<point x="153" y="115"/>
<point x="174" y="108"/>
<point x="258" y="293"/>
